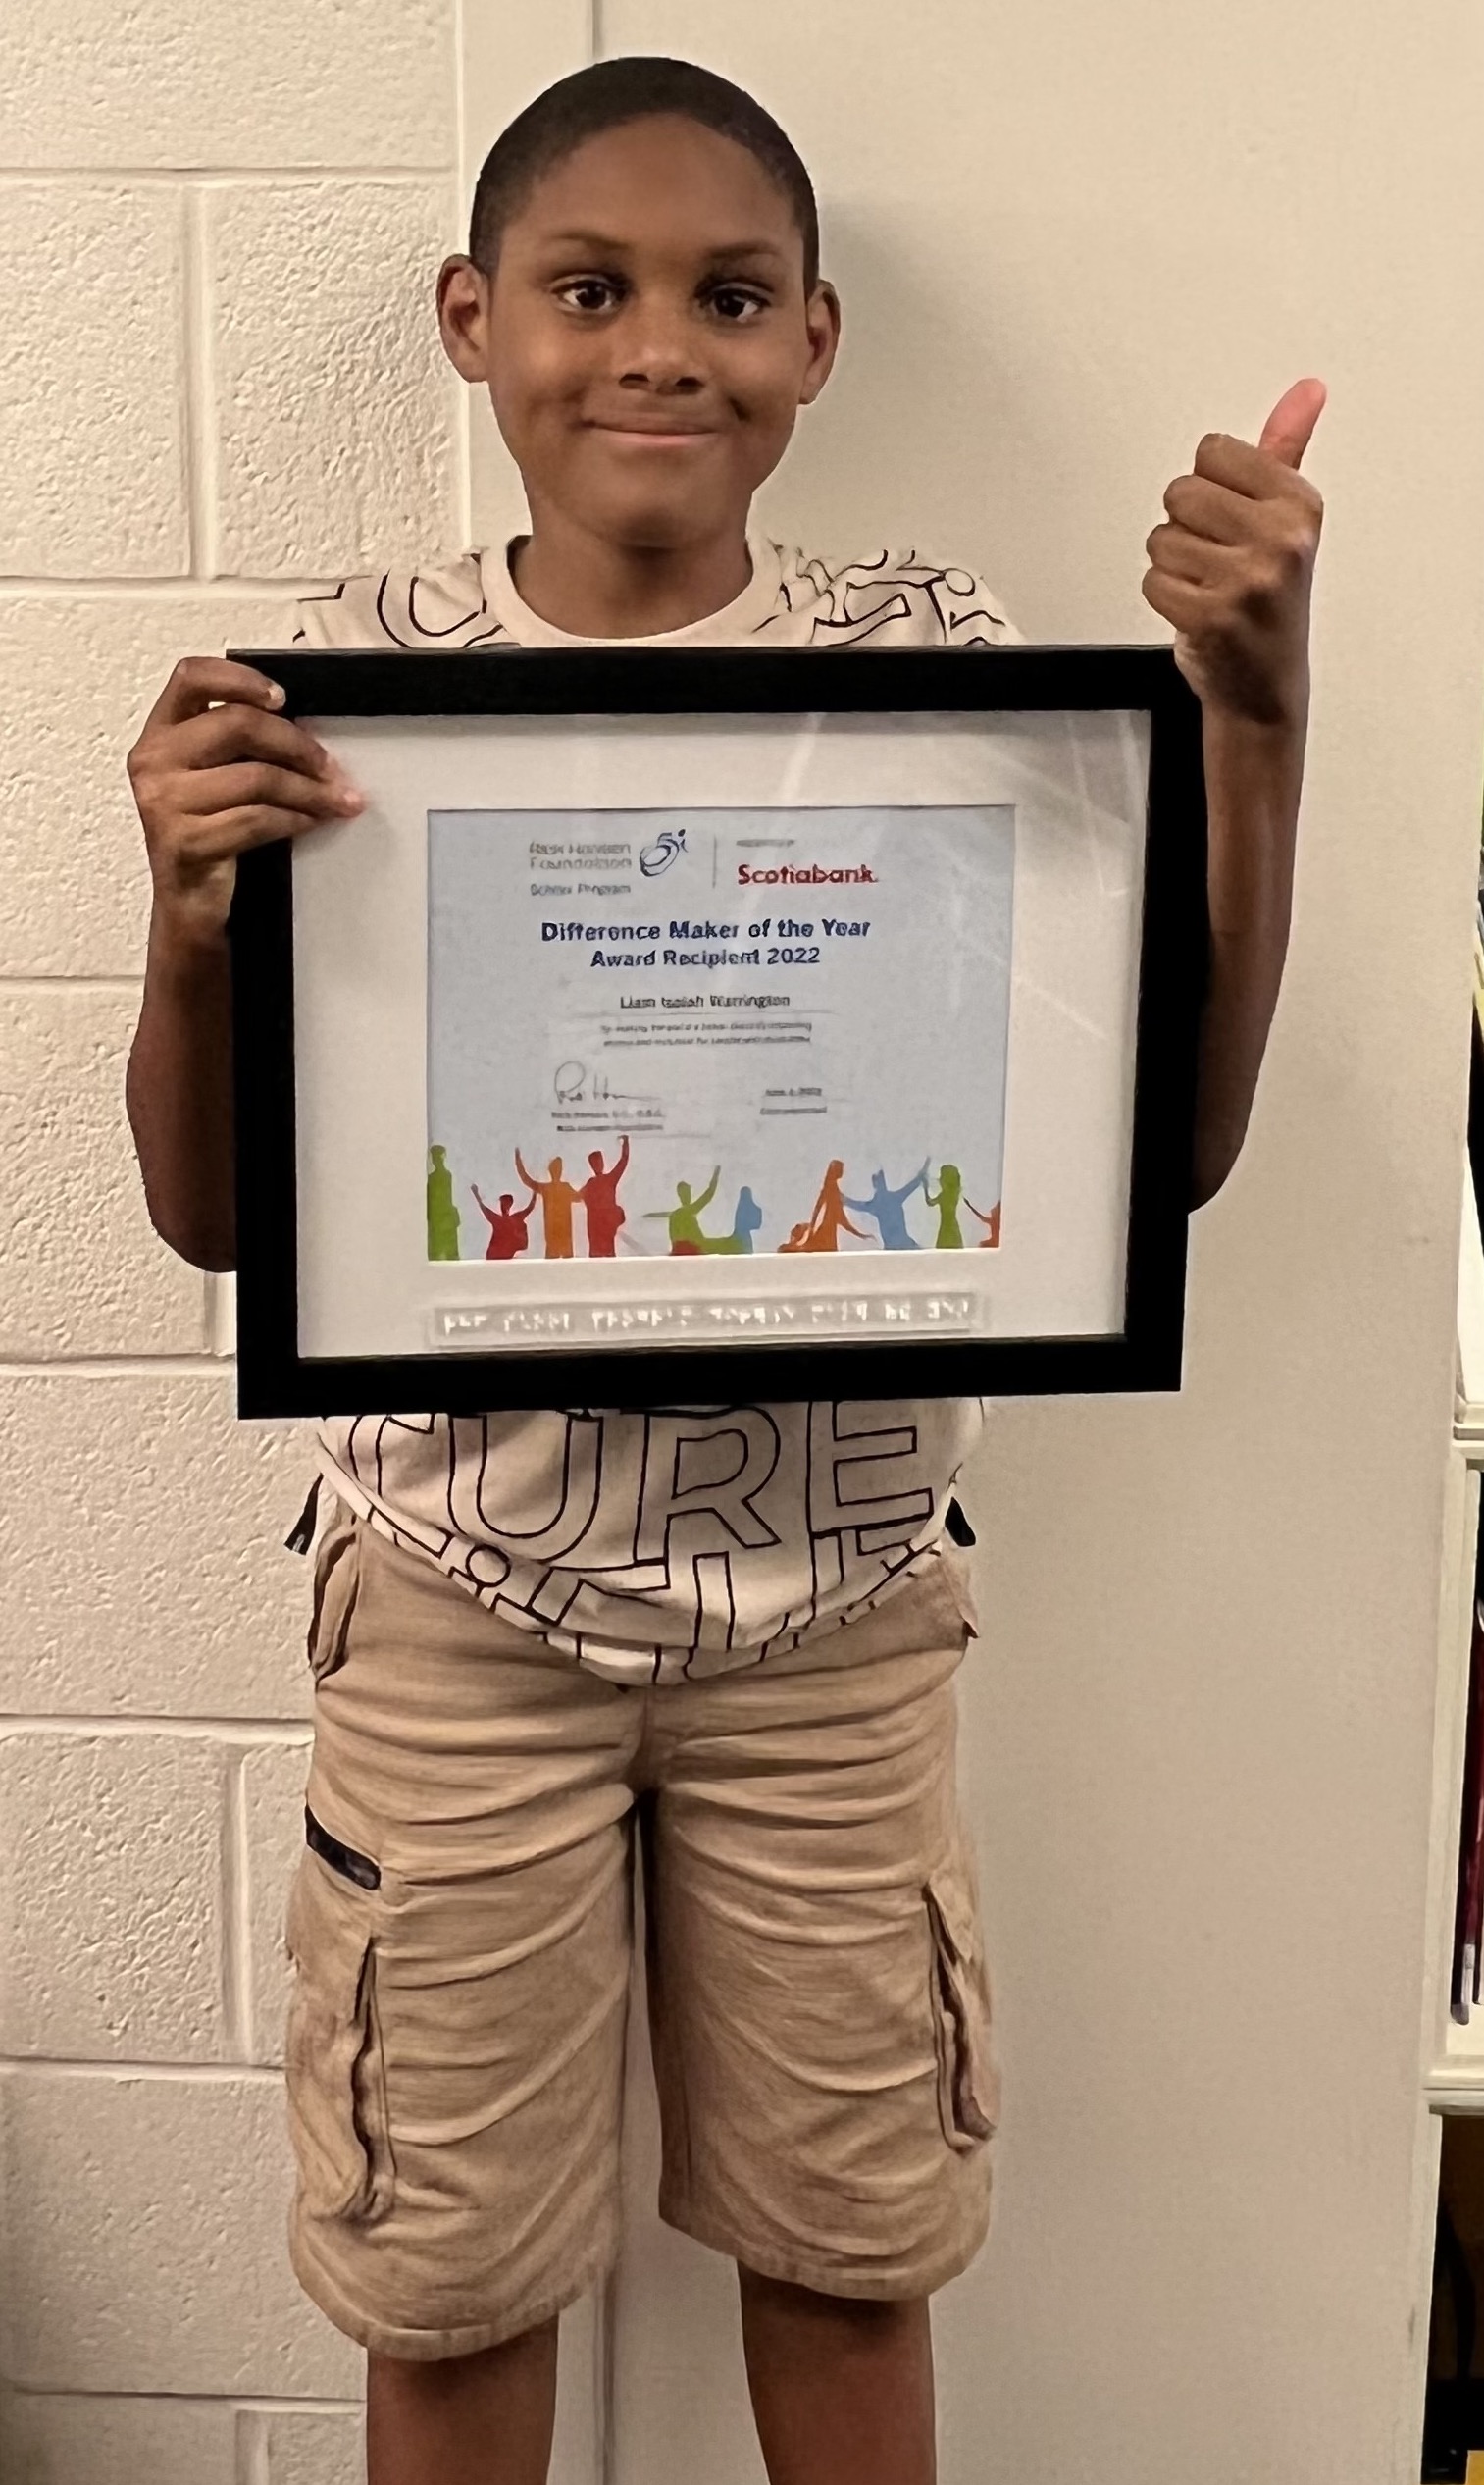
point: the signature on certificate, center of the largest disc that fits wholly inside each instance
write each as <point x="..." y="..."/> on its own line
<point x="573" y="1083"/>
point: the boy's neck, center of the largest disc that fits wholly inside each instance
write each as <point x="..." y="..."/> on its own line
<point x="600" y="589"/>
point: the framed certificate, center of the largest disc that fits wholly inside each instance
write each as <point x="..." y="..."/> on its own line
<point x="716" y="1024"/>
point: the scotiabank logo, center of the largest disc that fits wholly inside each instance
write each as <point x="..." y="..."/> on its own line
<point x="801" y="876"/>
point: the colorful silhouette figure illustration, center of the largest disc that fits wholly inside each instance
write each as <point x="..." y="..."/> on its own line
<point x="509" y="1225"/>
<point x="827" y="1219"/>
<point x="684" y="1219"/>
<point x="947" y="1199"/>
<point x="746" y="1218"/>
<point x="886" y="1208"/>
<point x="991" y="1241"/>
<point x="600" y="1200"/>
<point x="442" y="1214"/>
<point x="557" y="1197"/>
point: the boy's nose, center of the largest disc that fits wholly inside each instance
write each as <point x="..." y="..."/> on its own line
<point x="659" y="359"/>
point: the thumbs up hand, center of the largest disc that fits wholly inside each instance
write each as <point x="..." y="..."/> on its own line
<point x="1232" y="566"/>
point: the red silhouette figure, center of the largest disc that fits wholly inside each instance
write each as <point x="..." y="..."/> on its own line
<point x="509" y="1225"/>
<point x="991" y="1241"/>
<point x="557" y="1197"/>
<point x="599" y="1198"/>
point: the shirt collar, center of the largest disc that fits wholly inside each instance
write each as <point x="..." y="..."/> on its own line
<point x="735" y="621"/>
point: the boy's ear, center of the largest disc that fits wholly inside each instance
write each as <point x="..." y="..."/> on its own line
<point x="822" y="317"/>
<point x="463" y="300"/>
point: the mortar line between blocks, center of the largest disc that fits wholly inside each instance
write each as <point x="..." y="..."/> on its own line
<point x="131" y="984"/>
<point x="251" y="2448"/>
<point x="214" y="176"/>
<point x="236" y="1931"/>
<point x="594" y="29"/>
<point x="200" y="388"/>
<point x="246" y="1734"/>
<point x="254" y="2404"/>
<point x="16" y="586"/>
<point x="260" y="2405"/>
<point x="175" y="2074"/>
<point x="463" y="182"/>
<point x="111" y="1367"/>
<point x="222" y="1312"/>
<point x="606" y="2379"/>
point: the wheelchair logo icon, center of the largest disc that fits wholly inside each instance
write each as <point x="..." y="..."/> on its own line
<point x="655" y="858"/>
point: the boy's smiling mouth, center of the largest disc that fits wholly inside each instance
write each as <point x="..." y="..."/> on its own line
<point x="660" y="433"/>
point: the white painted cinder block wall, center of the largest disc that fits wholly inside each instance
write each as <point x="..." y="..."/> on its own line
<point x="223" y="386"/>
<point x="1198" y="1726"/>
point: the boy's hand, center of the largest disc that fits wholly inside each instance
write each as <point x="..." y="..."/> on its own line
<point x="1233" y="565"/>
<point x="211" y="779"/>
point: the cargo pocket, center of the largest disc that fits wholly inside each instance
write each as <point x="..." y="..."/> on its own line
<point x="968" y="2080"/>
<point x="336" y="1576"/>
<point x="335" y="2065"/>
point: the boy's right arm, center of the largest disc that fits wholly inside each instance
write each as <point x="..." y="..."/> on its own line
<point x="213" y="771"/>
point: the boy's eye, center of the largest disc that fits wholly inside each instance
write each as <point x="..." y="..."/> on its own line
<point x="736" y="303"/>
<point x="587" y="292"/>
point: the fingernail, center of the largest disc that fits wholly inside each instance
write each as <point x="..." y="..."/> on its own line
<point x="350" y="801"/>
<point x="274" y="694"/>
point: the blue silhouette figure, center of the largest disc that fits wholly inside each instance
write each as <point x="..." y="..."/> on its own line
<point x="745" y="1222"/>
<point x="885" y="1209"/>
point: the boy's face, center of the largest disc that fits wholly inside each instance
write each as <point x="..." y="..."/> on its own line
<point x="645" y="338"/>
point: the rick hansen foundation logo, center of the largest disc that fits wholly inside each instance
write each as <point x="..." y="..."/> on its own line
<point x="655" y="858"/>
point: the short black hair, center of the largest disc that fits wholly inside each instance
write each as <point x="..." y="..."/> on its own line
<point x="605" y="96"/>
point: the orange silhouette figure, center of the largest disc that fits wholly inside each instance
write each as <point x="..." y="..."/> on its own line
<point x="828" y="1220"/>
<point x="991" y="1241"/>
<point x="557" y="1197"/>
<point x="509" y="1225"/>
<point x="599" y="1198"/>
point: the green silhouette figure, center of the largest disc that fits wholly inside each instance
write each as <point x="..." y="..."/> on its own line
<point x="442" y="1213"/>
<point x="947" y="1199"/>
<point x="745" y="1222"/>
<point x="684" y="1219"/>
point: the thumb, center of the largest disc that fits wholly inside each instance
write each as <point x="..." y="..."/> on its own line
<point x="1290" y="427"/>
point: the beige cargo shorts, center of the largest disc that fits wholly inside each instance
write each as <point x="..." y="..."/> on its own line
<point x="461" y="1923"/>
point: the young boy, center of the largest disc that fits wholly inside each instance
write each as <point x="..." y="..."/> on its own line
<point x="739" y="1625"/>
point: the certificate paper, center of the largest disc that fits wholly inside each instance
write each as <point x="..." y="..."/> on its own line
<point x="717" y="1031"/>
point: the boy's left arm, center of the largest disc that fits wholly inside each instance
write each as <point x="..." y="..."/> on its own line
<point x="1231" y="568"/>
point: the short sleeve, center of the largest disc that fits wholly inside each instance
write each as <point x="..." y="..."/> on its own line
<point x="287" y="629"/>
<point x="342" y="616"/>
<point x="972" y="614"/>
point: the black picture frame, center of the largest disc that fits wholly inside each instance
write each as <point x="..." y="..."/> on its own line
<point x="273" y="1380"/>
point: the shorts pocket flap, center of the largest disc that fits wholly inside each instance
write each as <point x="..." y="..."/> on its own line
<point x="968" y="2080"/>
<point x="336" y="1573"/>
<point x="333" y="2062"/>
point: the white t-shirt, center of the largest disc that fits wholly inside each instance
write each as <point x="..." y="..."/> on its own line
<point x="678" y="1540"/>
